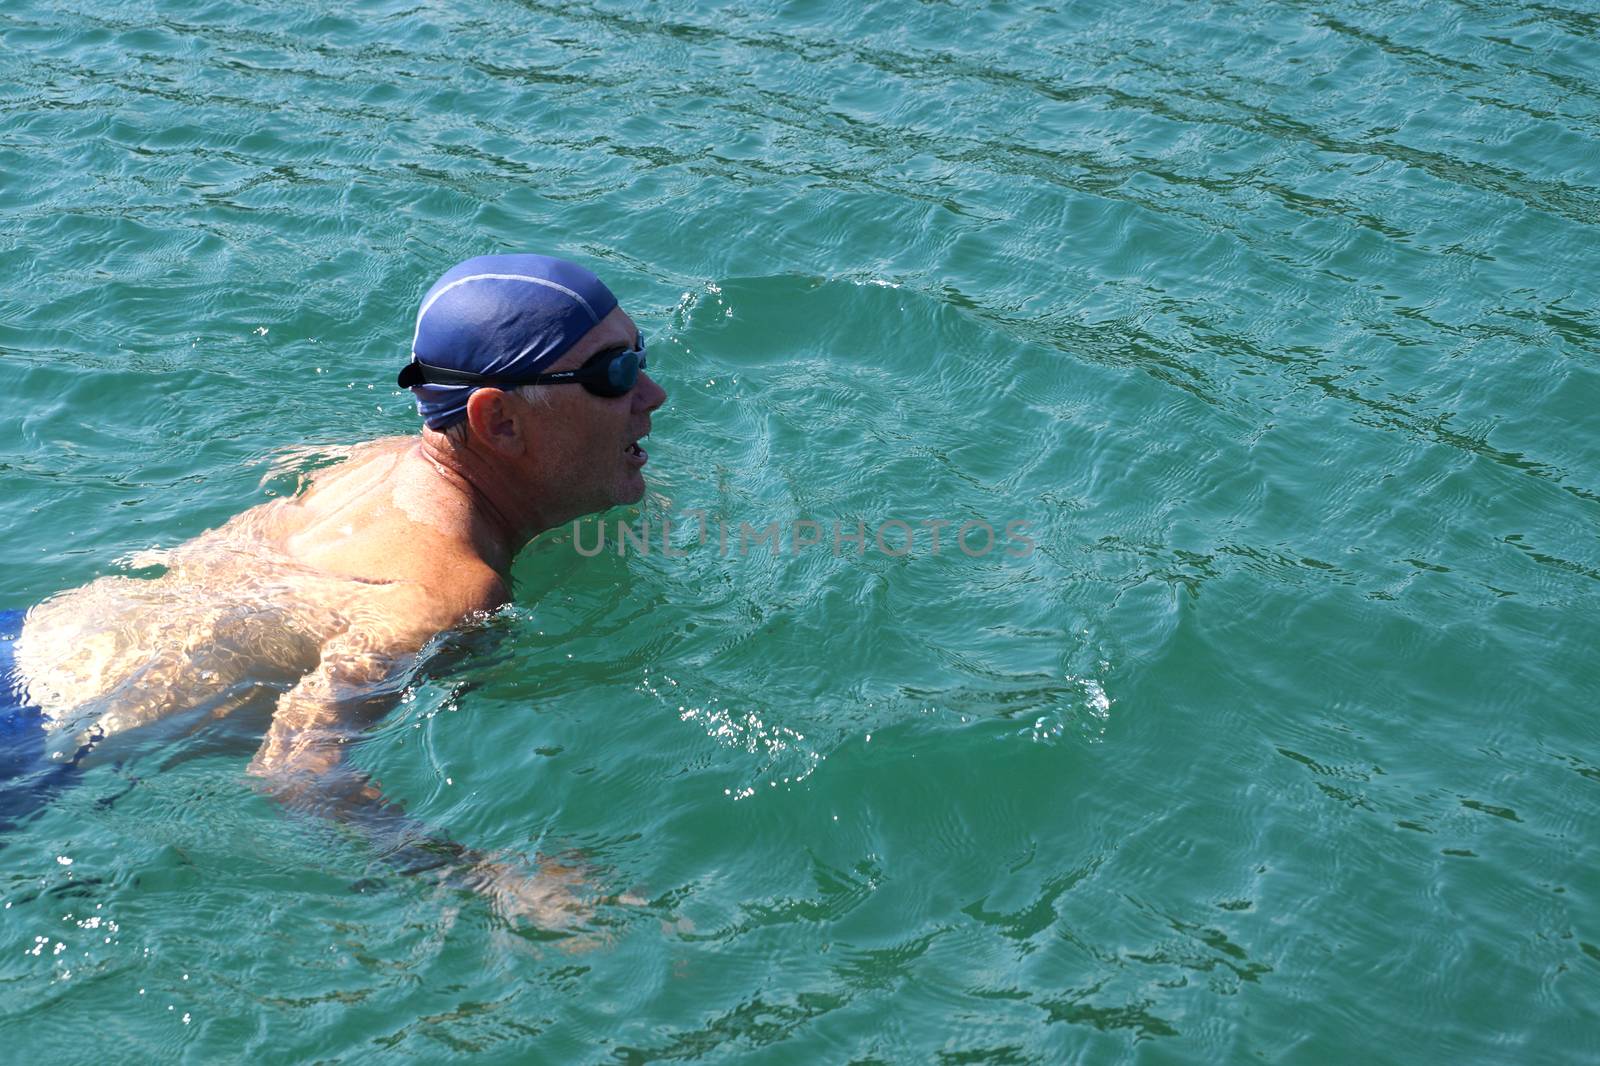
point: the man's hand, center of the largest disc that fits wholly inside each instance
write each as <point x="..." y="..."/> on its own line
<point x="553" y="897"/>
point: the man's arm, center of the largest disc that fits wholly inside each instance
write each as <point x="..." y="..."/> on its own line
<point x="321" y="712"/>
<point x="301" y="764"/>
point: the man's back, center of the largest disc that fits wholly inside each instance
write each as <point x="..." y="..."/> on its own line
<point x="366" y="558"/>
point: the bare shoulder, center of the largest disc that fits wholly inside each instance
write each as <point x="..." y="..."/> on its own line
<point x="473" y="586"/>
<point x="381" y="519"/>
<point x="404" y="615"/>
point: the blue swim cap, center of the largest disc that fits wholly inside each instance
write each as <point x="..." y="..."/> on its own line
<point x="501" y="314"/>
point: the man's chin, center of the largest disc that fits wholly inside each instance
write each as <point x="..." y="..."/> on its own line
<point x="633" y="492"/>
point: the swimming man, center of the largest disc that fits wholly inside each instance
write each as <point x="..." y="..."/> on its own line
<point x="530" y="380"/>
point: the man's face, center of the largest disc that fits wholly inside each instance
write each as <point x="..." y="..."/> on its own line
<point x="585" y="443"/>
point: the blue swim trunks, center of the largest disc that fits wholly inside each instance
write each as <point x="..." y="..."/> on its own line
<point x="28" y="776"/>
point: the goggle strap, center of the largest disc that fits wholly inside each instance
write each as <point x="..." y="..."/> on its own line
<point x="417" y="372"/>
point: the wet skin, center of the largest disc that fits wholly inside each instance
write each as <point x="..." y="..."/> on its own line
<point x="321" y="598"/>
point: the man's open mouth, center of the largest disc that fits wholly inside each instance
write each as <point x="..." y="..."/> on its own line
<point x="636" y="453"/>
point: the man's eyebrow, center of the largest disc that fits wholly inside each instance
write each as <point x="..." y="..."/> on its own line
<point x="608" y="350"/>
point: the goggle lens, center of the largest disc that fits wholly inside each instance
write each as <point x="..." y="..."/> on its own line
<point x="620" y="371"/>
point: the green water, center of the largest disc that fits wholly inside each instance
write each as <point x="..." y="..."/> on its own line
<point x="1275" y="323"/>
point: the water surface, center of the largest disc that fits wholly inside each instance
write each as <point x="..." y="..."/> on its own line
<point x="1274" y="322"/>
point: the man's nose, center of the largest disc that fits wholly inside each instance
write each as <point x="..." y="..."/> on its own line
<point x="650" y="393"/>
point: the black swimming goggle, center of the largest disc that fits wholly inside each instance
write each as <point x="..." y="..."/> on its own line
<point x="607" y="373"/>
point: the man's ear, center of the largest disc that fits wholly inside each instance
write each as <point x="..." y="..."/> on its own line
<point x="492" y="418"/>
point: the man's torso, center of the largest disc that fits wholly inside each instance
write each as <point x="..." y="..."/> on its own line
<point x="243" y="611"/>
